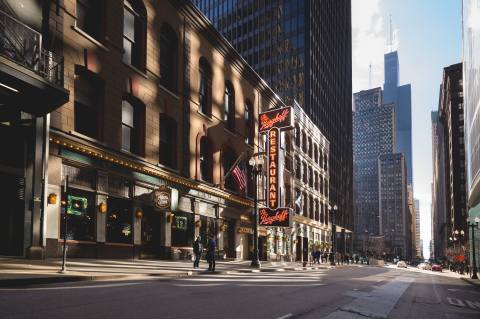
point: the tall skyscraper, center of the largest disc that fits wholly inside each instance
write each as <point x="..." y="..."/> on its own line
<point x="401" y="97"/>
<point x="373" y="135"/>
<point x="452" y="118"/>
<point x="471" y="82"/>
<point x="418" y="250"/>
<point x="439" y="215"/>
<point x="302" y="48"/>
<point x="395" y="219"/>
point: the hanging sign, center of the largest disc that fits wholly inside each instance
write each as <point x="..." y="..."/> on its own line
<point x="272" y="123"/>
<point x="165" y="198"/>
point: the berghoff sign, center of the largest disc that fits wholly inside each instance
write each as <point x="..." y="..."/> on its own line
<point x="165" y="198"/>
<point x="272" y="123"/>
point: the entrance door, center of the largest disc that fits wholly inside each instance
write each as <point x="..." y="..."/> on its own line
<point x="11" y="216"/>
<point x="305" y="249"/>
<point x="298" y="249"/>
<point x="150" y="233"/>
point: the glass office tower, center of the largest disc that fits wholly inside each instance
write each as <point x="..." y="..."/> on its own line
<point x="302" y="48"/>
<point x="401" y="96"/>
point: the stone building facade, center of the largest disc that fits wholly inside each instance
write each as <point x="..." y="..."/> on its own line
<point x="158" y="100"/>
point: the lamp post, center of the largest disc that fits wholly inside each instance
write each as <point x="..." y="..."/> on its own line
<point x="257" y="168"/>
<point x="474" y="225"/>
<point x="333" y="211"/>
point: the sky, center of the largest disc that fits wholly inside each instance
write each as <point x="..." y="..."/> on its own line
<point x="427" y="35"/>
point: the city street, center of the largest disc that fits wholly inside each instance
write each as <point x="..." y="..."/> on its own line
<point x="345" y="292"/>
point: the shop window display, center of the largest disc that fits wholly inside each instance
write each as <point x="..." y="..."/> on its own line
<point x="80" y="209"/>
<point x="119" y="221"/>
<point x="182" y="230"/>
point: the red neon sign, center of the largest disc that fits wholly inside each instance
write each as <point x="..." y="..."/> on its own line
<point x="277" y="118"/>
<point x="274" y="218"/>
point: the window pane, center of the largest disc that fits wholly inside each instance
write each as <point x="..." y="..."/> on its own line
<point x="128" y="24"/>
<point x="127" y="113"/>
<point x="81" y="215"/>
<point x="119" y="221"/>
<point x="126" y="137"/>
<point x="127" y="48"/>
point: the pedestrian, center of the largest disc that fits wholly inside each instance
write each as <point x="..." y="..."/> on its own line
<point x="317" y="256"/>
<point x="356" y="259"/>
<point x="211" y="253"/>
<point x="197" y="251"/>
<point x="312" y="260"/>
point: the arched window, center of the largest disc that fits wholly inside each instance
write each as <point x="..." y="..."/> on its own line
<point x="298" y="208"/>
<point x="205" y="88"/>
<point x="168" y="57"/>
<point x="316" y="186"/>
<point x="315" y="153"/>
<point x="310" y="147"/>
<point x="311" y="213"/>
<point x="298" y="168"/>
<point x="206" y="160"/>
<point x="249" y="126"/>
<point x="229" y="106"/>
<point x="134" y="33"/>
<point x="310" y="177"/>
<point x="297" y="135"/>
<point x="228" y="159"/>
<point x="317" y="210"/>
<point x="288" y="195"/>
<point x="305" y="173"/>
<point x="322" y="213"/>
<point x="304" y="142"/>
<point x="88" y="104"/>
<point x="305" y="204"/>
<point x="133" y="125"/>
<point x="168" y="141"/>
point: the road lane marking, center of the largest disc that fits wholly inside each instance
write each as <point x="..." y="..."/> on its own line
<point x="455" y="302"/>
<point x="72" y="287"/>
<point x="473" y="304"/>
<point x="198" y="285"/>
<point x="288" y="315"/>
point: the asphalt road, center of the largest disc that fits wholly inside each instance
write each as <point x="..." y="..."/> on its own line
<point x="349" y="292"/>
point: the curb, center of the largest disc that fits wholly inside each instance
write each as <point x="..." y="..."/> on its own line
<point x="473" y="282"/>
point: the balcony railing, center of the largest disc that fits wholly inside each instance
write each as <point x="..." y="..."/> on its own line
<point x="23" y="45"/>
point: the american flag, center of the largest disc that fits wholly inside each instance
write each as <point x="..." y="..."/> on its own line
<point x="239" y="175"/>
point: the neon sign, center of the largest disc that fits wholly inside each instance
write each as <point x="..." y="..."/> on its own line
<point x="272" y="123"/>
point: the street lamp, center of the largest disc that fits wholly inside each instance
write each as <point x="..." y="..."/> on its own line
<point x="333" y="212"/>
<point x="257" y="169"/>
<point x="474" y="225"/>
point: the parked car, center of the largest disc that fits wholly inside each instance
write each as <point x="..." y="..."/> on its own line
<point x="401" y="264"/>
<point x="425" y="266"/>
<point x="436" y="267"/>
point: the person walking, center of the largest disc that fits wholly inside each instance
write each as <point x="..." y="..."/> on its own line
<point x="211" y="254"/>
<point x="197" y="251"/>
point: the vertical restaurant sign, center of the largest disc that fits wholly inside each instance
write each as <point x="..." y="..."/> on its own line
<point x="272" y="122"/>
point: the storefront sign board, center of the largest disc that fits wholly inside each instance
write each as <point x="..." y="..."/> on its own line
<point x="272" y="123"/>
<point x="165" y="198"/>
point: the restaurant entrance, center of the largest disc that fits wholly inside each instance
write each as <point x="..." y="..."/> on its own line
<point x="151" y="228"/>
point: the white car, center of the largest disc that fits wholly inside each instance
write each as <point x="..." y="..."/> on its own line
<point x="402" y="264"/>
<point x="425" y="266"/>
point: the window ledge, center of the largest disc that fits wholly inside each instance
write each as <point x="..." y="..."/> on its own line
<point x="136" y="156"/>
<point x="168" y="91"/>
<point x="169" y="169"/>
<point x="90" y="38"/>
<point x="88" y="138"/>
<point x="208" y="118"/>
<point x="140" y="72"/>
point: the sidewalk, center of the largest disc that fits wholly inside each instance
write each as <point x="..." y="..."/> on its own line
<point x="18" y="272"/>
